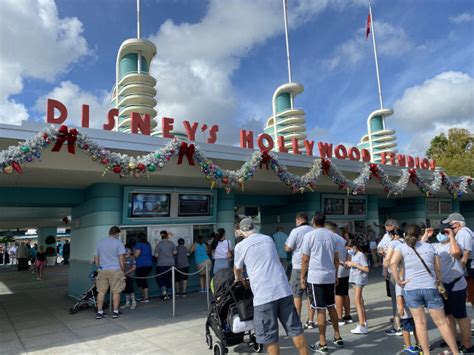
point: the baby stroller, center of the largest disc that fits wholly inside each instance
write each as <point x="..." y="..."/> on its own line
<point x="231" y="305"/>
<point x="88" y="298"/>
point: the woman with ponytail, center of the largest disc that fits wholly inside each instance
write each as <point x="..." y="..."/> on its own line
<point x="422" y="274"/>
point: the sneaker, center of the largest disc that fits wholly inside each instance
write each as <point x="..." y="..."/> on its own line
<point x="338" y="342"/>
<point x="418" y="348"/>
<point x="347" y="319"/>
<point x="309" y="325"/>
<point x="165" y="297"/>
<point x="116" y="314"/>
<point x="100" y="315"/>
<point x="410" y="350"/>
<point x="341" y="322"/>
<point x="134" y="305"/>
<point x="184" y="295"/>
<point x="146" y="300"/>
<point x="202" y="290"/>
<point x="319" y="349"/>
<point x="393" y="331"/>
<point x="360" y="329"/>
<point x="126" y="305"/>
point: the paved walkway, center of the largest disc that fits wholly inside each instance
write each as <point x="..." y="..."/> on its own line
<point x="34" y="319"/>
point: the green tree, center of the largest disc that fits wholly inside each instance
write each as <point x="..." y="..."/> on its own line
<point x="453" y="153"/>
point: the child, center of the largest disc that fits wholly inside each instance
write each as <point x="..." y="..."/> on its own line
<point x="40" y="263"/>
<point x="358" y="277"/>
<point x="182" y="265"/>
<point x="129" y="270"/>
<point x="408" y="325"/>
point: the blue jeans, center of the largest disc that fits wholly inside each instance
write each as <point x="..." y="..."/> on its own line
<point x="423" y="297"/>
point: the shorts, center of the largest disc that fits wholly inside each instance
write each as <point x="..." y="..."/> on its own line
<point x="164" y="277"/>
<point x="342" y="288"/>
<point x="129" y="285"/>
<point x="408" y="324"/>
<point x="40" y="264"/>
<point x="266" y="316"/>
<point x="455" y="305"/>
<point x="201" y="266"/>
<point x="357" y="285"/>
<point x="142" y="271"/>
<point x="178" y="276"/>
<point x="470" y="289"/>
<point x="110" y="278"/>
<point x="425" y="297"/>
<point x="295" y="282"/>
<point x="321" y="296"/>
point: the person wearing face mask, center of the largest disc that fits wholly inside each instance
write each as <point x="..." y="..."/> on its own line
<point x="465" y="239"/>
<point x="452" y="276"/>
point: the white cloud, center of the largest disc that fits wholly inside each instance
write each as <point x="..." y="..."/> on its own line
<point x="34" y="43"/>
<point x="464" y="17"/>
<point x="74" y="97"/>
<point x="391" y="41"/>
<point x="439" y="103"/>
<point x="195" y="62"/>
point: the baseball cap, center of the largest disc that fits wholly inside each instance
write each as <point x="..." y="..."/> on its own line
<point x="246" y="224"/>
<point x="391" y="222"/>
<point x="454" y="217"/>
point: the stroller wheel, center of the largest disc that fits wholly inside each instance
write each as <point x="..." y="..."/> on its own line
<point x="258" y="348"/>
<point x="209" y="341"/>
<point x="72" y="311"/>
<point x="219" y="348"/>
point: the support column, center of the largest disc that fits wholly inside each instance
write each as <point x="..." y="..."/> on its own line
<point x="43" y="232"/>
<point x="226" y="213"/>
<point x="101" y="209"/>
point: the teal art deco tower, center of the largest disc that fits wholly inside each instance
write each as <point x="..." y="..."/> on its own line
<point x="134" y="89"/>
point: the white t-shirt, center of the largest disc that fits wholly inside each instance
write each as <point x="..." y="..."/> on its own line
<point x="393" y="245"/>
<point x="223" y="246"/>
<point x="465" y="239"/>
<point x="358" y="276"/>
<point x="295" y="242"/>
<point x="451" y="268"/>
<point x="416" y="275"/>
<point x="341" y="249"/>
<point x="267" y="277"/>
<point x="321" y="246"/>
<point x="383" y="244"/>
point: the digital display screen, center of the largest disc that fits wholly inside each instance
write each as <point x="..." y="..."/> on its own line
<point x="194" y="205"/>
<point x="334" y="206"/>
<point x="149" y="205"/>
<point x="356" y="206"/>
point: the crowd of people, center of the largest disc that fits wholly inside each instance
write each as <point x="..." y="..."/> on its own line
<point x="423" y="271"/>
<point x="126" y="264"/>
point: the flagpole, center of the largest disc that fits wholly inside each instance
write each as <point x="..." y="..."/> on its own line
<point x="285" y="9"/>
<point x="372" y="29"/>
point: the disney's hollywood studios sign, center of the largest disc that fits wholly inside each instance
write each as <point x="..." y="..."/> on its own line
<point x="56" y="113"/>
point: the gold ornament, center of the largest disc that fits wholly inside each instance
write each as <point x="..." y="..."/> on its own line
<point x="8" y="169"/>
<point x="132" y="166"/>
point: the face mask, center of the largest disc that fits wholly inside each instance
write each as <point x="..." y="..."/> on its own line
<point x="442" y="237"/>
<point x="351" y="252"/>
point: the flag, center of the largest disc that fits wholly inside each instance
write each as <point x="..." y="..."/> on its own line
<point x="367" y="30"/>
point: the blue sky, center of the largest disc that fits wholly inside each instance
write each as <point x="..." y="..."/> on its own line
<point x="220" y="61"/>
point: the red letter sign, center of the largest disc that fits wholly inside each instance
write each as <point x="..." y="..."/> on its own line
<point x="246" y="139"/>
<point x="261" y="142"/>
<point x="53" y="105"/>
<point x="325" y="150"/>
<point x="111" y="119"/>
<point x="167" y="124"/>
<point x="139" y="123"/>
<point x="85" y="116"/>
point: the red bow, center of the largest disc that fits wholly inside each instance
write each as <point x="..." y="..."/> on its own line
<point x="63" y="135"/>
<point x="265" y="159"/>
<point x="374" y="169"/>
<point x="188" y="150"/>
<point x="326" y="165"/>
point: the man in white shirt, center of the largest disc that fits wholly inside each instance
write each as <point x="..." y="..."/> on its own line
<point x="271" y="292"/>
<point x="320" y="263"/>
<point x="293" y="244"/>
<point x="465" y="240"/>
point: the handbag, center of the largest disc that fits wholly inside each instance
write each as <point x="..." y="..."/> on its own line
<point x="236" y="324"/>
<point x="439" y="285"/>
<point x="230" y="254"/>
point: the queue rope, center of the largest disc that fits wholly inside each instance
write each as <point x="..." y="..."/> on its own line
<point x="164" y="272"/>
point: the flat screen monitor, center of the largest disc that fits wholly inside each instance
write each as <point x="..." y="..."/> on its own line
<point x="191" y="205"/>
<point x="150" y="205"/>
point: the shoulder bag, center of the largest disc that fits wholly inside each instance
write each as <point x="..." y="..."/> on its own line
<point x="439" y="285"/>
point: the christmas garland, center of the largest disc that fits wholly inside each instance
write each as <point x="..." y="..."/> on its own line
<point x="124" y="165"/>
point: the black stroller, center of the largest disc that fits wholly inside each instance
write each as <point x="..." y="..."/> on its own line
<point x="88" y="298"/>
<point x="229" y="300"/>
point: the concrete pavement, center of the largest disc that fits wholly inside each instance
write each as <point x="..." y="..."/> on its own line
<point x="34" y="319"/>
